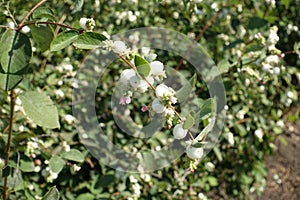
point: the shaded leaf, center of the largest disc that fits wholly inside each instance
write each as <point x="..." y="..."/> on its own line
<point x="22" y="136"/>
<point x="63" y="39"/>
<point x="52" y="194"/>
<point x="15" y="55"/>
<point x="206" y="109"/>
<point x="73" y="155"/>
<point x="183" y="93"/>
<point x="42" y="13"/>
<point x="256" y="22"/>
<point x="89" y="40"/>
<point x="142" y="66"/>
<point x="105" y="180"/>
<point x="40" y="109"/>
<point x="42" y="35"/>
<point x="56" y="164"/>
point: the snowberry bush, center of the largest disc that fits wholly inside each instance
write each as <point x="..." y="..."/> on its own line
<point x="255" y="46"/>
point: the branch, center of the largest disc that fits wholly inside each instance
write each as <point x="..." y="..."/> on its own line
<point x="7" y="153"/>
<point x="29" y="13"/>
<point x="52" y="23"/>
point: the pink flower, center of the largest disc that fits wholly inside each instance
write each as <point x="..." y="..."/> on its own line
<point x="125" y="100"/>
<point x="144" y="108"/>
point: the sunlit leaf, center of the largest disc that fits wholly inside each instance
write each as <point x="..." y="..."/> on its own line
<point x="56" y="164"/>
<point x="142" y="65"/>
<point x="63" y="39"/>
<point x="40" y="109"/>
<point x="89" y="40"/>
<point x="73" y="155"/>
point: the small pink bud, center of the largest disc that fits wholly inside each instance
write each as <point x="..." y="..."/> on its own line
<point x="125" y="100"/>
<point x="173" y="100"/>
<point x="144" y="108"/>
<point x="258" y="35"/>
<point x="168" y="127"/>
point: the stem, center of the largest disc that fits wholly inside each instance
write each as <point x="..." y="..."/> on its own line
<point x="7" y="153"/>
<point x="53" y="23"/>
<point x="153" y="88"/>
<point x="29" y="13"/>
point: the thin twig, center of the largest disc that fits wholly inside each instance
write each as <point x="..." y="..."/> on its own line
<point x="207" y="25"/>
<point x="52" y="23"/>
<point x="7" y="153"/>
<point x="61" y="21"/>
<point x="152" y="87"/>
<point x="20" y="26"/>
<point x="11" y="15"/>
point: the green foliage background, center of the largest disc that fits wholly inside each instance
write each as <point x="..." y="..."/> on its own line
<point x="229" y="171"/>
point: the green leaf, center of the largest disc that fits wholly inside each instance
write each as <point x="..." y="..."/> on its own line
<point x="40" y="109"/>
<point x="42" y="35"/>
<point x="89" y="40"/>
<point x="63" y="39"/>
<point x="105" y="180"/>
<point x="73" y="155"/>
<point x="218" y="153"/>
<point x="56" y="164"/>
<point x="78" y="6"/>
<point x="223" y="66"/>
<point x="190" y="121"/>
<point x="213" y="181"/>
<point x="86" y="196"/>
<point x="253" y="47"/>
<point x="26" y="165"/>
<point x="256" y="22"/>
<point x="183" y="93"/>
<point x="42" y="13"/>
<point x="15" y="55"/>
<point x="240" y="129"/>
<point x="142" y="66"/>
<point x="206" y="109"/>
<point x="22" y="136"/>
<point x="52" y="194"/>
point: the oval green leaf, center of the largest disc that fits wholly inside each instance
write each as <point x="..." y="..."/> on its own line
<point x="189" y="122"/>
<point x="52" y="194"/>
<point x="40" y="109"/>
<point x="63" y="39"/>
<point x="56" y="164"/>
<point x="142" y="66"/>
<point x="15" y="55"/>
<point x="89" y="40"/>
<point x="42" y="35"/>
<point x="73" y="155"/>
<point x="43" y="13"/>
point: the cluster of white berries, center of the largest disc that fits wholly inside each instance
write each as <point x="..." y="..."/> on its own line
<point x="117" y="47"/>
<point x="271" y="64"/>
<point x="49" y="174"/>
<point x="87" y="24"/>
<point x="165" y="97"/>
